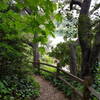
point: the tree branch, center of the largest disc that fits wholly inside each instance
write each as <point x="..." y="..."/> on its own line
<point x="74" y="2"/>
<point x="97" y="6"/>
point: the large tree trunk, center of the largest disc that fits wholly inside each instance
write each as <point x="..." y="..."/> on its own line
<point x="89" y="53"/>
<point x="84" y="33"/>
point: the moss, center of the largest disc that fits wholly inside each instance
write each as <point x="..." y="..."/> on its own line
<point x="84" y="23"/>
<point x="85" y="29"/>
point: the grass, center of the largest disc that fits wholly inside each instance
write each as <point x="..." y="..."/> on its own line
<point x="51" y="69"/>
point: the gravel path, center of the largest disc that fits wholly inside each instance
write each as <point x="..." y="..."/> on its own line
<point x="48" y="92"/>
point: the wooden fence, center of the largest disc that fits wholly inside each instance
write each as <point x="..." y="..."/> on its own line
<point x="86" y="82"/>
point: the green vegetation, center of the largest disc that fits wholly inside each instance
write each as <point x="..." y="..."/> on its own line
<point x="19" y="21"/>
<point x="14" y="88"/>
<point x="25" y="28"/>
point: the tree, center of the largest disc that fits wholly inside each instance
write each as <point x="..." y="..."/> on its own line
<point x="89" y="51"/>
<point x="68" y="53"/>
<point x="86" y="34"/>
<point x="18" y="18"/>
<point x="39" y="21"/>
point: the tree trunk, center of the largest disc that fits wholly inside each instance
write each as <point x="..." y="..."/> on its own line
<point x="89" y="53"/>
<point x="35" y="52"/>
<point x="73" y="59"/>
<point x="84" y="33"/>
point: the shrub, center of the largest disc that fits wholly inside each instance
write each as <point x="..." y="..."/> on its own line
<point x="12" y="88"/>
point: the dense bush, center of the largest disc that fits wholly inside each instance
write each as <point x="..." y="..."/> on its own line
<point x="16" y="88"/>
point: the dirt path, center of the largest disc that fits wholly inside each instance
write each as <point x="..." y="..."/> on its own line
<point x="48" y="92"/>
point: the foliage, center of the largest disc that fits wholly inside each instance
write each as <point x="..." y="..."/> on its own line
<point x="47" y="58"/>
<point x="96" y="72"/>
<point x="20" y="20"/>
<point x="67" y="27"/>
<point x="61" y="52"/>
<point x="12" y="88"/>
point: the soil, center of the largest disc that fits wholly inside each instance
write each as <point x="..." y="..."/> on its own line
<point x="47" y="91"/>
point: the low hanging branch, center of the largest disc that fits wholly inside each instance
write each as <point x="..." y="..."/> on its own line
<point x="75" y="2"/>
<point x="97" y="6"/>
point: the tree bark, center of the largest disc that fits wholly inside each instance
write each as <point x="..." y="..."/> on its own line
<point x="35" y="52"/>
<point x="84" y="33"/>
<point x="73" y="59"/>
<point x="90" y="51"/>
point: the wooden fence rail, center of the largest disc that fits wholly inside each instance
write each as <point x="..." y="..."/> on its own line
<point x="73" y="76"/>
<point x="72" y="87"/>
<point x="94" y="92"/>
<point x="86" y="82"/>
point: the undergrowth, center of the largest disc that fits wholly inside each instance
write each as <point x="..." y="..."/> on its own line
<point x="20" y="86"/>
<point x="60" y="85"/>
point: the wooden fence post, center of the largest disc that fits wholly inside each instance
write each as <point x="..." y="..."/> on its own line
<point x="38" y="66"/>
<point x="86" y="92"/>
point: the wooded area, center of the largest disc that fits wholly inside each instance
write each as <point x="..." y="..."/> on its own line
<point x="26" y="30"/>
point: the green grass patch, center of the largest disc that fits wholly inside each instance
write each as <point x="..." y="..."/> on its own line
<point x="51" y="69"/>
